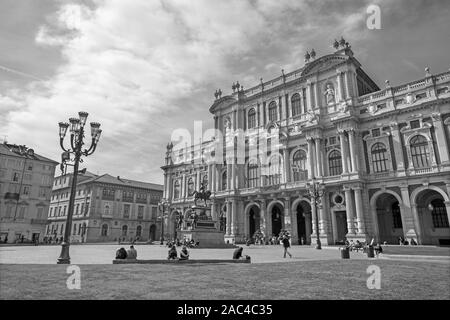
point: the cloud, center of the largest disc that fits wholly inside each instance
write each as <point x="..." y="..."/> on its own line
<point x="145" y="68"/>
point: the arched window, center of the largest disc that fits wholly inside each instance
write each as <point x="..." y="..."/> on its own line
<point x="420" y="152"/>
<point x="439" y="214"/>
<point x="190" y="187"/>
<point x="273" y="111"/>
<point x="104" y="230"/>
<point x="124" y="230"/>
<point x="335" y="163"/>
<point x="379" y="157"/>
<point x="224" y="180"/>
<point x="274" y="170"/>
<point x="295" y="105"/>
<point x="252" y="174"/>
<point x="299" y="166"/>
<point x="107" y="209"/>
<point x="176" y="189"/>
<point x="251" y="118"/>
<point x="138" y="231"/>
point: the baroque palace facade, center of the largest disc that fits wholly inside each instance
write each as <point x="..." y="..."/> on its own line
<point x="380" y="155"/>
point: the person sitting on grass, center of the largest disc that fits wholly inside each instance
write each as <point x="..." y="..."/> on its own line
<point x="413" y="242"/>
<point x="132" y="253"/>
<point x="121" y="253"/>
<point x="378" y="249"/>
<point x="172" y="253"/>
<point x="184" y="253"/>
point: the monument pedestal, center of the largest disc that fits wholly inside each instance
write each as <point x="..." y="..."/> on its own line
<point x="203" y="230"/>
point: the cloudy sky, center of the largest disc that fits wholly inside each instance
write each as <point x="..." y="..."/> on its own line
<point x="143" y="68"/>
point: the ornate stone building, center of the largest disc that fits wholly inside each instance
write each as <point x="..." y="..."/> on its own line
<point x="106" y="208"/>
<point x="381" y="156"/>
<point x="25" y="186"/>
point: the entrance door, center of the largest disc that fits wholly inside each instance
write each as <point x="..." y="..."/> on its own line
<point x="276" y="220"/>
<point x="341" y="224"/>
<point x="301" y="225"/>
<point x="152" y="232"/>
<point x="253" y="221"/>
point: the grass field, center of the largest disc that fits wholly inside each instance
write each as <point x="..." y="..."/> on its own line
<point x="333" y="279"/>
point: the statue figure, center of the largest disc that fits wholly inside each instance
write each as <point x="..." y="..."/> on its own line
<point x="329" y="94"/>
<point x="202" y="194"/>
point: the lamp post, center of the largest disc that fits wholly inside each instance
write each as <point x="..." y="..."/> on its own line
<point x="316" y="192"/>
<point x="76" y="145"/>
<point x="162" y="208"/>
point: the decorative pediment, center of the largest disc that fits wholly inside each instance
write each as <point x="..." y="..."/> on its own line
<point x="222" y="103"/>
<point x="324" y="63"/>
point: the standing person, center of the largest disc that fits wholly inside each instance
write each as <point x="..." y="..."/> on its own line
<point x="286" y="245"/>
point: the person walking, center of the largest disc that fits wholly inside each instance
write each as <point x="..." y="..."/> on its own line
<point x="286" y="245"/>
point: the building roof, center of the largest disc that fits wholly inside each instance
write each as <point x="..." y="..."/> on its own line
<point x="108" y="179"/>
<point x="23" y="152"/>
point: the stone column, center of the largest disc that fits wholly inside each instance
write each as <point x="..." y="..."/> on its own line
<point x="339" y="83"/>
<point x="343" y="152"/>
<point x="347" y="94"/>
<point x="233" y="176"/>
<point x="353" y="154"/>
<point x="229" y="175"/>
<point x="287" y="215"/>
<point x="398" y="149"/>
<point x="197" y="183"/>
<point x="233" y="217"/>
<point x="410" y="220"/>
<point x="310" y="158"/>
<point x="313" y="219"/>
<point x="415" y="214"/>
<point x="440" y="137"/>
<point x="349" y="210"/>
<point x="318" y="158"/>
<point x="316" y="95"/>
<point x="262" y="220"/>
<point x="228" y="218"/>
<point x="359" y="211"/>
<point x="287" y="165"/>
<point x="308" y="96"/>
<point x="218" y="177"/>
<point x="183" y="186"/>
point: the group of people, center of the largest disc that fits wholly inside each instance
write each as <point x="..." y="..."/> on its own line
<point x="185" y="242"/>
<point x="173" y="254"/>
<point x="358" y="245"/>
<point x="404" y="242"/>
<point x="131" y="253"/>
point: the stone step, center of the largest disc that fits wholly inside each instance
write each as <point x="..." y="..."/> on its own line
<point x="160" y="261"/>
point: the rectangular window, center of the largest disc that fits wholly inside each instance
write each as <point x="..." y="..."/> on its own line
<point x="15" y="177"/>
<point x="26" y="190"/>
<point x="376" y="132"/>
<point x="126" y="211"/>
<point x="415" y="124"/>
<point x="140" y="215"/>
<point x="154" y="212"/>
<point x="40" y="213"/>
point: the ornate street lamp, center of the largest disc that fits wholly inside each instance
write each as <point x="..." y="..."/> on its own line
<point x="315" y="193"/>
<point x="76" y="145"/>
<point x="163" y="206"/>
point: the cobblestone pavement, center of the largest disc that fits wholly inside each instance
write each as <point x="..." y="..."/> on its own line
<point x="105" y="253"/>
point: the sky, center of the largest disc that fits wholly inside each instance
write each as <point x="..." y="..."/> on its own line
<point x="143" y="68"/>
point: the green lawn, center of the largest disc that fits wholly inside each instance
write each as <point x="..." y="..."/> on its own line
<point x="336" y="279"/>
<point x="413" y="250"/>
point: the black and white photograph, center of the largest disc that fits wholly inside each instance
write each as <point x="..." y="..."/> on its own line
<point x="224" y="156"/>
